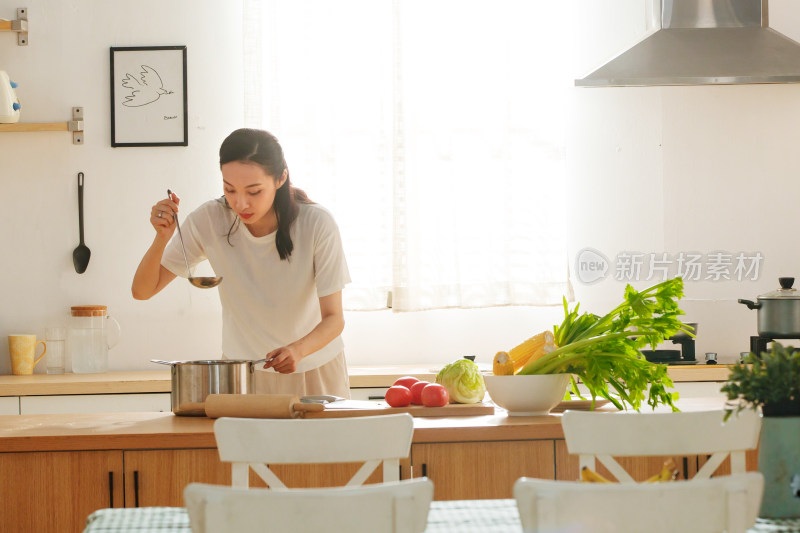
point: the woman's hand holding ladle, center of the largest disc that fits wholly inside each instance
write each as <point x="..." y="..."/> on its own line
<point x="202" y="282"/>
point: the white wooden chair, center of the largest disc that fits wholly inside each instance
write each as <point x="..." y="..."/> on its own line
<point x="251" y="443"/>
<point x="722" y="504"/>
<point x="602" y="436"/>
<point x="396" y="507"/>
<point x="699" y="505"/>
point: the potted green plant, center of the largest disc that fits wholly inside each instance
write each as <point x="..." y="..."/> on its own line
<point x="770" y="381"/>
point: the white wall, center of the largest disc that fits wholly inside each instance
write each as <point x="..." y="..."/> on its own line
<point x="651" y="170"/>
<point x="67" y="64"/>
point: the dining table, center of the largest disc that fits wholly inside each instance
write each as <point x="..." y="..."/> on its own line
<point x="446" y="516"/>
<point x="464" y="516"/>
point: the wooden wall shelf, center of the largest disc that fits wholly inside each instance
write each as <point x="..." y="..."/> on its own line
<point x="36" y="126"/>
<point x="75" y="126"/>
<point x="20" y="26"/>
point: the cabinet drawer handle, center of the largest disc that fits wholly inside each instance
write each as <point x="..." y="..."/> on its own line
<point x="136" y="488"/>
<point x="111" y="489"/>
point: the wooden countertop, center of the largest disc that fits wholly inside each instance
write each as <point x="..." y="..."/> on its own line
<point x="114" y="431"/>
<point x="106" y="383"/>
<point x="383" y="376"/>
<point x="19" y="433"/>
<point x="147" y="381"/>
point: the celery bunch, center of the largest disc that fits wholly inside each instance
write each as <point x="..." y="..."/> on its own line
<point x="603" y="351"/>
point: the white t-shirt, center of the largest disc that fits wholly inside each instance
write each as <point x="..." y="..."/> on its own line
<point x="266" y="302"/>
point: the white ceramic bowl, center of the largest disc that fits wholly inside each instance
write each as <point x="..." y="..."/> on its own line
<point x="527" y="395"/>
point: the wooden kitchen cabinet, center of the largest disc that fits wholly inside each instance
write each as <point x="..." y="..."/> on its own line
<point x="481" y="470"/>
<point x="158" y="477"/>
<point x="57" y="469"/>
<point x="324" y="475"/>
<point x="56" y="491"/>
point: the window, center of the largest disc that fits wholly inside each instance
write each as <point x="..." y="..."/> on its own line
<point x="433" y="131"/>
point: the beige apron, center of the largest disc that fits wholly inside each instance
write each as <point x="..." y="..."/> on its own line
<point x="330" y="378"/>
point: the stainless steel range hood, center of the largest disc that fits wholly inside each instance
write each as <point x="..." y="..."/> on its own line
<point x="704" y="42"/>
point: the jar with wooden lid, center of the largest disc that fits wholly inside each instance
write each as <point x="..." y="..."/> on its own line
<point x="90" y="328"/>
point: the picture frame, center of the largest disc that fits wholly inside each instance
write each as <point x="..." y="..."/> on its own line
<point x="148" y="96"/>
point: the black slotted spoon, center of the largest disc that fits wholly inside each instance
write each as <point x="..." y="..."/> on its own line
<point x="82" y="253"/>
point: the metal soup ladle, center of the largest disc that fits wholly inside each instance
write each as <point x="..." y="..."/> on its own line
<point x="201" y="282"/>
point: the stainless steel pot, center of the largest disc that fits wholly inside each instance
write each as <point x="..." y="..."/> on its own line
<point x="192" y="381"/>
<point x="778" y="311"/>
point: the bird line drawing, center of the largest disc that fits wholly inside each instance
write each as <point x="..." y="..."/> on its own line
<point x="145" y="88"/>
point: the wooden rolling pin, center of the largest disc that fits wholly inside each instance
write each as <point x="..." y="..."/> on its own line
<point x="258" y="406"/>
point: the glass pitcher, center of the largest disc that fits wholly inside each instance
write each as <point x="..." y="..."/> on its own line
<point x="88" y="338"/>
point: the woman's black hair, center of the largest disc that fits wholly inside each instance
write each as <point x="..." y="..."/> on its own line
<point x="262" y="148"/>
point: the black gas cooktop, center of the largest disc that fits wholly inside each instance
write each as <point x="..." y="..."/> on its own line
<point x="667" y="357"/>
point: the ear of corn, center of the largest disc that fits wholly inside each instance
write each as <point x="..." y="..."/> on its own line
<point x="590" y="476"/>
<point x="510" y="362"/>
<point x="502" y="364"/>
<point x="669" y="472"/>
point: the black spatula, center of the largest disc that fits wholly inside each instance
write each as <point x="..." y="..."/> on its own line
<point x="81" y="254"/>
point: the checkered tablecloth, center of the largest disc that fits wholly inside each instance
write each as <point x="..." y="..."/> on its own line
<point x="776" y="525"/>
<point x="463" y="516"/>
<point x="139" y="520"/>
<point x="474" y="516"/>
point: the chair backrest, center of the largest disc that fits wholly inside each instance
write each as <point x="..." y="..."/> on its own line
<point x="726" y="503"/>
<point x="397" y="507"/>
<point x="601" y="436"/>
<point x="254" y="443"/>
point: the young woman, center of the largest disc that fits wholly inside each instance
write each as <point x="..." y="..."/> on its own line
<point x="283" y="268"/>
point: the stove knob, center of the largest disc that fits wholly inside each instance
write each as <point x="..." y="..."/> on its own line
<point x="711" y="358"/>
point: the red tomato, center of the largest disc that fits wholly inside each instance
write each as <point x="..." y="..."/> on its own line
<point x="406" y="381"/>
<point x="435" y="395"/>
<point x="416" y="391"/>
<point x="398" y="396"/>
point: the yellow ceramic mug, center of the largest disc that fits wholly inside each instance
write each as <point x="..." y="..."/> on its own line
<point x="23" y="353"/>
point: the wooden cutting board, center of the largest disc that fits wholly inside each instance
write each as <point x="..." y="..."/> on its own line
<point x="347" y="408"/>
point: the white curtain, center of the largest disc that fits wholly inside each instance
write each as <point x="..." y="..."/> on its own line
<point x="434" y="132"/>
